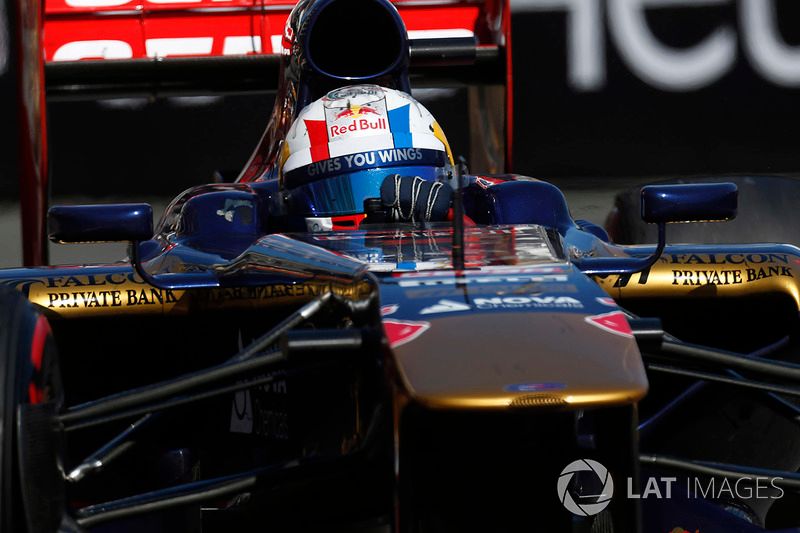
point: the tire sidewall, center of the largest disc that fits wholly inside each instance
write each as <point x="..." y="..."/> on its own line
<point x="18" y="323"/>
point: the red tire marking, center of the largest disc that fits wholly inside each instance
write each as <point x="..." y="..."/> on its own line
<point x="40" y="333"/>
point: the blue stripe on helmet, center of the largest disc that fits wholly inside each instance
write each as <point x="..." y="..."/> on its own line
<point x="400" y="127"/>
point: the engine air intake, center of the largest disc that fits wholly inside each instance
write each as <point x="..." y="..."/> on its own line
<point x="369" y="44"/>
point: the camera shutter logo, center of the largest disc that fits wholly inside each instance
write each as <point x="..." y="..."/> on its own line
<point x="585" y="487"/>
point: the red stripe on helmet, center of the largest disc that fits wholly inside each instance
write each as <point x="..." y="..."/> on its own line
<point x="318" y="138"/>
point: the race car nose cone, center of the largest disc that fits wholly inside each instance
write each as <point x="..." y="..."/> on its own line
<point x="526" y="360"/>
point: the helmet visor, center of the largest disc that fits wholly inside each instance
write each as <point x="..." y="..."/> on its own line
<point x="345" y="194"/>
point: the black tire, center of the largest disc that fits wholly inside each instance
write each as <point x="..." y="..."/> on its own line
<point x="31" y="491"/>
<point x="767" y="213"/>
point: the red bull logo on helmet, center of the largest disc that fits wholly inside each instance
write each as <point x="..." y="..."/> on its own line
<point x="356" y="111"/>
<point x="359" y="124"/>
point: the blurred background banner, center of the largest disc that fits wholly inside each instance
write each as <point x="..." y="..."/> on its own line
<point x="602" y="88"/>
<point x="656" y="87"/>
<point x="607" y="94"/>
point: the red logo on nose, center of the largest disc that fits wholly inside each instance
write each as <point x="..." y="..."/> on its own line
<point x="402" y="331"/>
<point x="614" y="322"/>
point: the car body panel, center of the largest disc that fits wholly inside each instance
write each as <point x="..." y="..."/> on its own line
<point x="133" y="29"/>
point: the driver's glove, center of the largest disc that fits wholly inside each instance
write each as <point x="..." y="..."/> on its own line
<point x="413" y="199"/>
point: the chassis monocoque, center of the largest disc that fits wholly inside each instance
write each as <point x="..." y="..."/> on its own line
<point x="235" y="373"/>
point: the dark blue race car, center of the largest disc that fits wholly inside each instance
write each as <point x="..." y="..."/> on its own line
<point x="482" y="363"/>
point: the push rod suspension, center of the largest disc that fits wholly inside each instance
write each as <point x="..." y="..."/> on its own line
<point x="242" y="363"/>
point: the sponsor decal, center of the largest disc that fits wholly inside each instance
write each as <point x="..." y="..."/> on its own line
<point x="110" y="298"/>
<point x="494" y="271"/>
<point x="77" y="294"/>
<point x="262" y="411"/>
<point x="389" y="309"/>
<point x="523" y="302"/>
<point x="624" y="279"/>
<point x="324" y="167"/>
<point x="478" y="280"/>
<point x="605" y="300"/>
<point x="72" y="294"/>
<point x="354" y="91"/>
<point x="614" y="322"/>
<point x="445" y="306"/>
<point x="400" y="332"/>
<point x="92" y="280"/>
<point x="365" y="160"/>
<point x="281" y="291"/>
<point x="23" y="286"/>
<point x="266" y="292"/>
<point x="725" y="259"/>
<point x="361" y="124"/>
<point x="706" y="277"/>
<point x="728" y="277"/>
<point x="229" y="211"/>
<point x="743" y="268"/>
<point x="536" y="387"/>
<point x="356" y="111"/>
<point x="432" y="293"/>
<point x="585" y="487"/>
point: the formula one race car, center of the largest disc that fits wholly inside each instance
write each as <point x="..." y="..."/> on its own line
<point x="361" y="335"/>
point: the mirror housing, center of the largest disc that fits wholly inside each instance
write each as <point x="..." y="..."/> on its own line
<point x="100" y="223"/>
<point x="120" y="222"/>
<point x="692" y="202"/>
<point x="664" y="204"/>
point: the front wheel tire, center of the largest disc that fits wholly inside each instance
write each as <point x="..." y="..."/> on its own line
<point x="31" y="486"/>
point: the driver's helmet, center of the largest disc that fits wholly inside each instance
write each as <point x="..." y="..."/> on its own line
<point x="342" y="146"/>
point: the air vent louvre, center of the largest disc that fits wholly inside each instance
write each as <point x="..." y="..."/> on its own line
<point x="537" y="400"/>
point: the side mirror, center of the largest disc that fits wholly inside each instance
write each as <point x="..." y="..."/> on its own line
<point x="695" y="202"/>
<point x="663" y="204"/>
<point x="100" y="223"/>
<point x="120" y="222"/>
